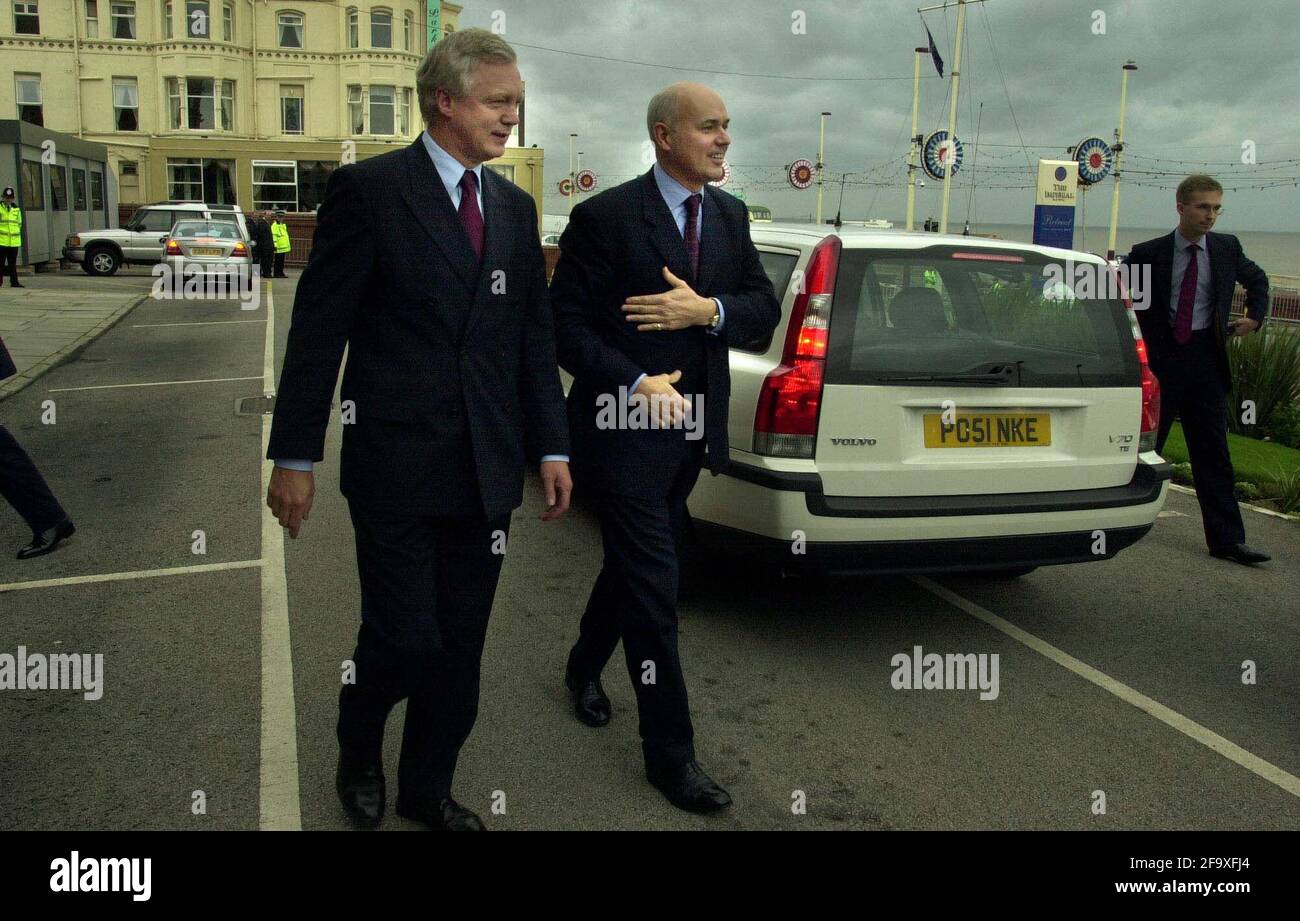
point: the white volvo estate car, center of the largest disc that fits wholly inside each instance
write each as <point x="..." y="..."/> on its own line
<point x="935" y="403"/>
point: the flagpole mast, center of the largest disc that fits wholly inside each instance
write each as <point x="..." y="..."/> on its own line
<point x="1119" y="152"/>
<point x="911" y="154"/>
<point x="821" y="156"/>
<point x="572" y="137"/>
<point x="952" y="117"/>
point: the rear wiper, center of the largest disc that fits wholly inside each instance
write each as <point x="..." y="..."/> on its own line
<point x="1003" y="377"/>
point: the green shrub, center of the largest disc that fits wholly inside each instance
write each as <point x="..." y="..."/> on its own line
<point x="1284" y="427"/>
<point x="1285" y="490"/>
<point x="1265" y="368"/>
<point x="1247" y="492"/>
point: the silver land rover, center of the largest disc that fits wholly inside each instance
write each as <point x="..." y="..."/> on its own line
<point x="141" y="240"/>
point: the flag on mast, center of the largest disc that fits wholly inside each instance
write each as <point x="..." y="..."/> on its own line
<point x="934" y="52"/>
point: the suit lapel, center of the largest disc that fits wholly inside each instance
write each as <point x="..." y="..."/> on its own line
<point x="428" y="200"/>
<point x="1162" y="268"/>
<point x="664" y="234"/>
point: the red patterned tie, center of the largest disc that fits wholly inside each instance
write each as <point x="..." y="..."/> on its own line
<point x="470" y="216"/>
<point x="692" y="234"/>
<point x="1186" y="298"/>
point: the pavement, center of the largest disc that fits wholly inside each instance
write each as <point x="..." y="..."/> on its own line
<point x="1121" y="681"/>
<point x="56" y="314"/>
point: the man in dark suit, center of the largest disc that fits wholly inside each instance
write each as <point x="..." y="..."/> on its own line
<point x="263" y="245"/>
<point x="1185" y="325"/>
<point x="25" y="489"/>
<point x="429" y="268"/>
<point x="656" y="278"/>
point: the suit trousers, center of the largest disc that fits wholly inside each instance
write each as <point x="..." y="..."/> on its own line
<point x="279" y="265"/>
<point x="1191" y="389"/>
<point x="9" y="263"/>
<point x="427" y="585"/>
<point x="24" y="488"/>
<point x="266" y="261"/>
<point x="635" y="599"/>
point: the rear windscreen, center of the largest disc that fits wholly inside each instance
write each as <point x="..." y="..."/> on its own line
<point x="905" y="316"/>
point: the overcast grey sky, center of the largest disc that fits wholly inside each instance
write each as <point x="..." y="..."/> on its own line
<point x="1210" y="76"/>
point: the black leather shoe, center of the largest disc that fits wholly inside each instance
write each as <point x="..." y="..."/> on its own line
<point x="589" y="701"/>
<point x="362" y="793"/>
<point x="448" y="815"/>
<point x="688" y="787"/>
<point x="16" y="285"/>
<point x="1240" y="553"/>
<point x="47" y="540"/>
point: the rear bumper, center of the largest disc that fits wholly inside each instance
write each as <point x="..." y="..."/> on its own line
<point x="768" y="514"/>
<point x="1144" y="488"/>
<point x="969" y="554"/>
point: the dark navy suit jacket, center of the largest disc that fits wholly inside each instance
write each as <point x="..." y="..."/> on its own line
<point x="614" y="247"/>
<point x="451" y="363"/>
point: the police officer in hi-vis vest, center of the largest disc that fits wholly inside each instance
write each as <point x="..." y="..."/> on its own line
<point x="11" y="237"/>
<point x="280" y="234"/>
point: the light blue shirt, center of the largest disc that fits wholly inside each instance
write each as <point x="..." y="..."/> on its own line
<point x="1203" y="310"/>
<point x="450" y="171"/>
<point x="675" y="195"/>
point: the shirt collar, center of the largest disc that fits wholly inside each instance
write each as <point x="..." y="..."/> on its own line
<point x="450" y="170"/>
<point x="673" y="192"/>
<point x="1181" y="242"/>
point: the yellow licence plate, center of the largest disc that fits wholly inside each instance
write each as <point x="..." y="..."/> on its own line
<point x="989" y="430"/>
<point x="206" y="251"/>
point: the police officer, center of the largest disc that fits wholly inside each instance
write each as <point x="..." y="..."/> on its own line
<point x="263" y="245"/>
<point x="280" y="234"/>
<point x="11" y="237"/>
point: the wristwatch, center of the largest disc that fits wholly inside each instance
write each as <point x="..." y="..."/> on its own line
<point x="717" y="317"/>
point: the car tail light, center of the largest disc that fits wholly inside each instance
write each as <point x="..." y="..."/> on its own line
<point x="173" y="248"/>
<point x="239" y="250"/>
<point x="785" y="423"/>
<point x="1150" y="385"/>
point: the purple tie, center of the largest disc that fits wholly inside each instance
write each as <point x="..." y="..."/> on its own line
<point x="470" y="216"/>
<point x="692" y="234"/>
<point x="1186" y="299"/>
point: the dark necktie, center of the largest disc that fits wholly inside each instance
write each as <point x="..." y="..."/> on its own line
<point x="1186" y="298"/>
<point x="470" y="216"/>
<point x="692" y="234"/>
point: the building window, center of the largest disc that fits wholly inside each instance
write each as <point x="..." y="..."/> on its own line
<point x="381" y="110"/>
<point x="404" y="113"/>
<point x="33" y="187"/>
<point x="173" y="103"/>
<point x="356" y="111"/>
<point x="200" y="103"/>
<point x="185" y="179"/>
<point x="275" y="185"/>
<point x="78" y="189"/>
<point x="290" y="30"/>
<point x="96" y="190"/>
<point x="354" y="28"/>
<point x="58" y="188"/>
<point x="26" y="20"/>
<point x="196" y="19"/>
<point x="27" y="93"/>
<point x="291" y="109"/>
<point x="128" y="168"/>
<point x="228" y="22"/>
<point x="123" y="17"/>
<point x="381" y="29"/>
<point x="126" y="104"/>
<point x="313" y="176"/>
<point x="408" y="30"/>
<point x="227" y="105"/>
<point x="167" y="19"/>
<point x="92" y="18"/>
<point x="504" y="170"/>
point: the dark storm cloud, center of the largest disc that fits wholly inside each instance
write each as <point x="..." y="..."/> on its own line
<point x="1210" y="76"/>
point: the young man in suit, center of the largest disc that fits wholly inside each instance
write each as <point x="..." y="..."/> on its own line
<point x="1186" y="327"/>
<point x="429" y="268"/>
<point x="656" y="278"/>
<point x="25" y="489"/>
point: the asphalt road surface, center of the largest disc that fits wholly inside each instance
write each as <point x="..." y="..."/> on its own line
<point x="1120" y="678"/>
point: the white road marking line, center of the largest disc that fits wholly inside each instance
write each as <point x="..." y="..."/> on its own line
<point x="192" y="323"/>
<point x="278" y="802"/>
<point x="125" y="576"/>
<point x="211" y="380"/>
<point x="1193" y="730"/>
